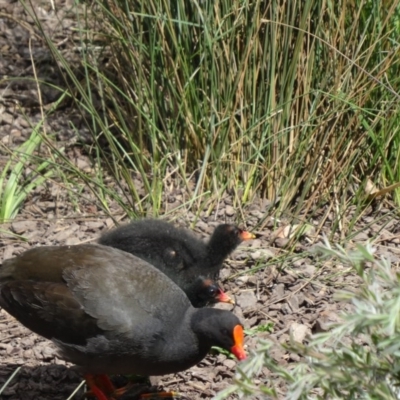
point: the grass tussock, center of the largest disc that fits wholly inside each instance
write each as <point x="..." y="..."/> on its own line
<point x="295" y="102"/>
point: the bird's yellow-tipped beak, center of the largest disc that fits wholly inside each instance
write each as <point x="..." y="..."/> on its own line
<point x="245" y="235"/>
<point x="224" y="298"/>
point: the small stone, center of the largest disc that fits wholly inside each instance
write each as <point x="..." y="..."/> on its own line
<point x="229" y="211"/>
<point x="261" y="254"/>
<point x="20" y="227"/>
<point x="242" y="280"/>
<point x="279" y="291"/>
<point x="6" y="119"/>
<point x="325" y="320"/>
<point x="361" y="237"/>
<point x="281" y="242"/>
<point x="287" y="279"/>
<point x="299" y="262"/>
<point x="257" y="213"/>
<point x="5" y="139"/>
<point x="230" y="364"/>
<point x="294" y="357"/>
<point x="72" y="241"/>
<point x="94" y="225"/>
<point x="308" y="270"/>
<point x="65" y="234"/>
<point x="83" y="164"/>
<point x="277" y="353"/>
<point x="294" y="303"/>
<point x="28" y="354"/>
<point x="239" y="255"/>
<point x="22" y="122"/>
<point x="48" y="352"/>
<point x="246" y="300"/>
<point x="15" y="133"/>
<point x="252" y="321"/>
<point x="202" y="226"/>
<point x="298" y="332"/>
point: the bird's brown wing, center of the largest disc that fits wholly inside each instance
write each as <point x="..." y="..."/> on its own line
<point x="89" y="289"/>
<point x="48" y="309"/>
<point x="130" y="296"/>
<point x="46" y="263"/>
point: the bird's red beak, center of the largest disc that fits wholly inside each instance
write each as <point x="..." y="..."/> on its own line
<point x="223" y="297"/>
<point x="237" y="349"/>
<point x="245" y="235"/>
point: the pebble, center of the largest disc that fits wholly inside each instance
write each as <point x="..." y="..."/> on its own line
<point x="65" y="233"/>
<point x="242" y="280"/>
<point x="279" y="291"/>
<point x="28" y="354"/>
<point x="246" y="300"/>
<point x="308" y="270"/>
<point x="20" y="227"/>
<point x="361" y="237"/>
<point x="293" y="302"/>
<point x="281" y="242"/>
<point x="299" y="332"/>
<point x="261" y="254"/>
<point x="230" y="364"/>
<point x="93" y="225"/>
<point x="229" y="211"/>
<point x="6" y="119"/>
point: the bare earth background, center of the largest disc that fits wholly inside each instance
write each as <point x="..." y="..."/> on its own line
<point x="295" y="295"/>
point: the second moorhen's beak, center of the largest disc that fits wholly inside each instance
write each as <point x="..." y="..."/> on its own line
<point x="237" y="349"/>
<point x="246" y="235"/>
<point x="223" y="297"/>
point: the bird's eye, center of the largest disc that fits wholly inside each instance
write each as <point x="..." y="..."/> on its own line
<point x="225" y="332"/>
<point x="212" y="290"/>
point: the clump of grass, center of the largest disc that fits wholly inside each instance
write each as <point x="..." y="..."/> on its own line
<point x="274" y="98"/>
<point x="358" y="358"/>
<point x="15" y="186"/>
<point x="295" y="102"/>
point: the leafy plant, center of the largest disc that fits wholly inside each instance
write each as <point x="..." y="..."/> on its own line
<point x="15" y="183"/>
<point x="358" y="358"/>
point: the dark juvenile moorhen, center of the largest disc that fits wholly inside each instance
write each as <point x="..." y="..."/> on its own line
<point x="204" y="291"/>
<point x="177" y="252"/>
<point x="110" y="312"/>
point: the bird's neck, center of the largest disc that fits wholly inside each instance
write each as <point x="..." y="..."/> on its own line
<point x="217" y="252"/>
<point x="185" y="347"/>
<point x="201" y="321"/>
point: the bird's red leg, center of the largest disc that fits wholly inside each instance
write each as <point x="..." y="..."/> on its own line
<point x="102" y="388"/>
<point x="106" y="383"/>
<point x="94" y="389"/>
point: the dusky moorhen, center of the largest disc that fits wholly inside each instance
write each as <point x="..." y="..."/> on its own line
<point x="110" y="312"/>
<point x="177" y="252"/>
<point x="204" y="291"/>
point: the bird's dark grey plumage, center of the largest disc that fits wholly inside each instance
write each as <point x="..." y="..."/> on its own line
<point x="177" y="252"/>
<point x="109" y="311"/>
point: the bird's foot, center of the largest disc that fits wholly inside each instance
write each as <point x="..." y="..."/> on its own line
<point x="102" y="388"/>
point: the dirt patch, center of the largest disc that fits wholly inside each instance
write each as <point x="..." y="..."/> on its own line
<point x="296" y="299"/>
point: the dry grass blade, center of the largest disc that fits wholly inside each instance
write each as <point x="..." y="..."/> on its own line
<point x="8" y="381"/>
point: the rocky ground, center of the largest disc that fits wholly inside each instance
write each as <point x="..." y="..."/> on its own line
<point x="270" y="284"/>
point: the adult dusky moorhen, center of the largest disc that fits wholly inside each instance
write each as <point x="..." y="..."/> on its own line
<point x="110" y="312"/>
<point x="177" y="252"/>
